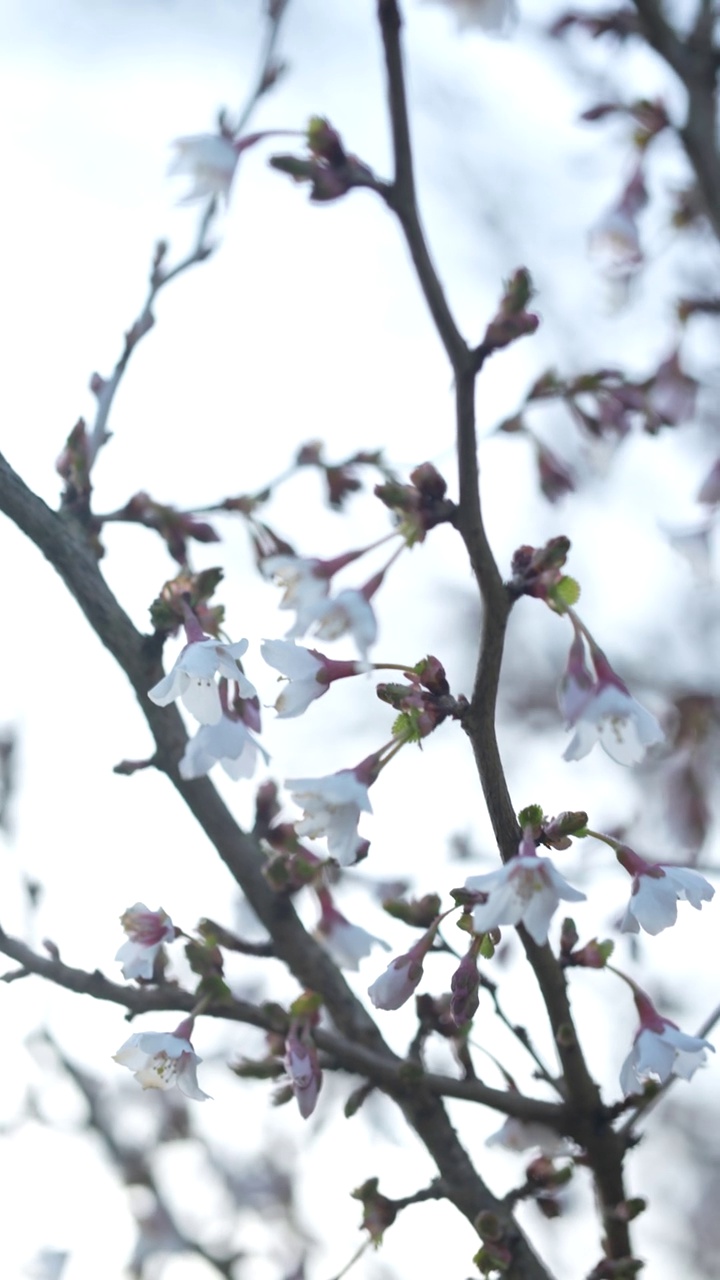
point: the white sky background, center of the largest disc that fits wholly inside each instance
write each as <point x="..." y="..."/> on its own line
<point x="308" y="322"/>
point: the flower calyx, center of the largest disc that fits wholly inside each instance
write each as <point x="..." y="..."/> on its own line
<point x="420" y="505"/>
<point x="536" y="571"/>
<point x="329" y="168"/>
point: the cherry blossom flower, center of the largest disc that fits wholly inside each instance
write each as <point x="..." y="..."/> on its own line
<point x="656" y="891"/>
<point x="347" y="943"/>
<point x="660" y="1053"/>
<point x="227" y="743"/>
<point x="48" y="1264"/>
<point x="526" y="890"/>
<point x="672" y="393"/>
<point x="349" y="611"/>
<point x="603" y="710"/>
<point x="210" y="161"/>
<point x="332" y="807"/>
<point x="522" y="1135"/>
<point x="301" y="1064"/>
<point x="147" y="931"/>
<point x="305" y="585"/>
<point x="161" y="1059"/>
<point x="615" y="240"/>
<point x="396" y="985"/>
<point x="309" y="674"/>
<point x="491" y="15"/>
<point x="192" y="678"/>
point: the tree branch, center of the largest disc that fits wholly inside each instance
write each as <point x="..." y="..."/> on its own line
<point x="389" y="1073"/>
<point x="695" y="62"/>
<point x="605" y="1152"/>
<point x="400" y="195"/>
<point x="63" y="544"/>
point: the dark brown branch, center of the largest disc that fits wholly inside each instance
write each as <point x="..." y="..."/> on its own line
<point x="63" y="544"/>
<point x="400" y="195"/>
<point x="604" y="1151"/>
<point x="695" y="62"/>
<point x="391" y="1074"/>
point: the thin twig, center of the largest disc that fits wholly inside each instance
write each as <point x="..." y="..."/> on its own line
<point x="133" y="1165"/>
<point x="390" y="1074"/>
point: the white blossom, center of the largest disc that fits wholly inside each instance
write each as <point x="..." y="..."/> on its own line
<point x="491" y="15"/>
<point x="347" y="943"/>
<point x="657" y="1055"/>
<point x="522" y="1135"/>
<point x="147" y="931"/>
<point x="527" y="889"/>
<point x="210" y="161"/>
<point x="192" y="678"/>
<point x="161" y="1059"/>
<point x="305" y="589"/>
<point x="348" y="611"/>
<point x="653" y="904"/>
<point x="331" y="808"/>
<point x="301" y="667"/>
<point x="612" y="717"/>
<point x="228" y="743"/>
<point x="396" y="985"/>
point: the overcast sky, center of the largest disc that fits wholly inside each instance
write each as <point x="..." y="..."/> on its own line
<point x="308" y="323"/>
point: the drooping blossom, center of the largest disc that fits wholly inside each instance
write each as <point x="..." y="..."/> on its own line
<point x="306" y="583"/>
<point x="348" y="612"/>
<point x="147" y="931"/>
<point x="602" y="709"/>
<point x="672" y="393"/>
<point x="347" y="943"/>
<point x="309" y="674"/>
<point x="656" y="891"/>
<point x="709" y="491"/>
<point x="47" y="1264"/>
<point x="615" y="240"/>
<point x="303" y="1068"/>
<point x="210" y="161"/>
<point x="161" y="1059"/>
<point x="556" y="478"/>
<point x="227" y="743"/>
<point x="522" y="1135"/>
<point x="491" y="15"/>
<point x="396" y="985"/>
<point x="660" y="1049"/>
<point x="332" y="807"/>
<point x="526" y="890"/>
<point x="192" y="678"/>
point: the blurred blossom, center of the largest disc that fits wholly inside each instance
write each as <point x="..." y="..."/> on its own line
<point x="48" y="1264"/>
<point x="614" y="241"/>
<point x="347" y="943"/>
<point x="491" y="15"/>
<point x="210" y="161"/>
<point x="147" y="931"/>
<point x="227" y="743"/>
<point x="523" y="1135"/>
<point x="349" y="612"/>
